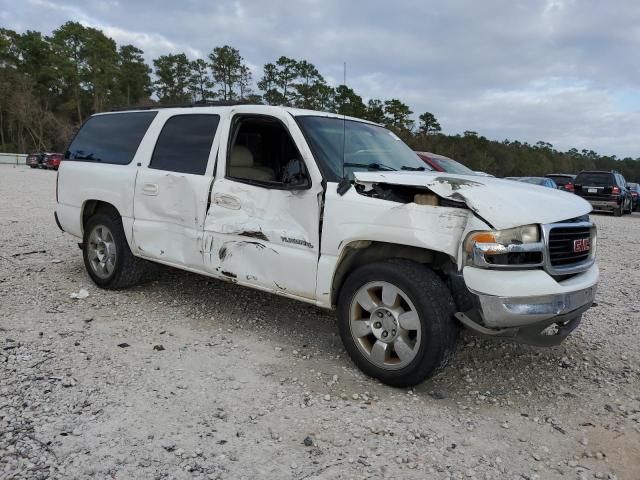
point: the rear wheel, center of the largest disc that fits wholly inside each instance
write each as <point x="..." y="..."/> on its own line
<point x="106" y="253"/>
<point x="630" y="210"/>
<point x="396" y="321"/>
<point x="617" y="212"/>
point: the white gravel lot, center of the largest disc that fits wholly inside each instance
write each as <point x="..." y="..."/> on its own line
<point x="219" y="381"/>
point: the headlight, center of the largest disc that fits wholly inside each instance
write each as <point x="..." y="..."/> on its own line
<point x="514" y="247"/>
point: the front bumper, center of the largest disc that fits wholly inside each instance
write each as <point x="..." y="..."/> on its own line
<point x="522" y="305"/>
<point x="521" y="311"/>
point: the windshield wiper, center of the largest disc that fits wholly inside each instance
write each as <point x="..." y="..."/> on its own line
<point x="371" y="166"/>
<point x="413" y="169"/>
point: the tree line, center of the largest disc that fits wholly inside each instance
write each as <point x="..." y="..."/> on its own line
<point x="50" y="84"/>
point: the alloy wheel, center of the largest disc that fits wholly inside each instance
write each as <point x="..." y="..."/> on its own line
<point x="385" y="325"/>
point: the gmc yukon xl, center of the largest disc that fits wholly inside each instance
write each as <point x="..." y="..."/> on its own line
<point x="337" y="212"/>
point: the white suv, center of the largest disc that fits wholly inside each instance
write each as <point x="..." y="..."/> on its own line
<point x="333" y="211"/>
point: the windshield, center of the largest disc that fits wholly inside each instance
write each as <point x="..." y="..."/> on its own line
<point x="362" y="146"/>
<point x="451" y="166"/>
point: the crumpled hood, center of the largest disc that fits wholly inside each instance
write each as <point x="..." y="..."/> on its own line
<point x="503" y="203"/>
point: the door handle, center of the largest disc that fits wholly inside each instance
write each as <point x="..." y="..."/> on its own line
<point x="150" y="189"/>
<point x="226" y="201"/>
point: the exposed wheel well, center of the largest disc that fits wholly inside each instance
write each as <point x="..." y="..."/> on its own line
<point x="361" y="252"/>
<point x="94" y="206"/>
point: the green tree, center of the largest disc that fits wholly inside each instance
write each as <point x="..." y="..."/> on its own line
<point x="308" y="87"/>
<point x="244" y="85"/>
<point x="325" y="98"/>
<point x="226" y="65"/>
<point x="375" y="111"/>
<point x="133" y="80"/>
<point x="35" y="58"/>
<point x="173" y="74"/>
<point x="268" y="84"/>
<point x="429" y="125"/>
<point x="348" y="102"/>
<point x="277" y="81"/>
<point x="69" y="44"/>
<point x="397" y="115"/>
<point x="101" y="68"/>
<point x="201" y="83"/>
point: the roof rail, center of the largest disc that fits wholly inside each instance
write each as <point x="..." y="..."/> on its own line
<point x="208" y="103"/>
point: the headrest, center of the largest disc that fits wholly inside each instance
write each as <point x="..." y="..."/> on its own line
<point x="241" y="156"/>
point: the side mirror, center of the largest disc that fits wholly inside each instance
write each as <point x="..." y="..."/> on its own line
<point x="294" y="175"/>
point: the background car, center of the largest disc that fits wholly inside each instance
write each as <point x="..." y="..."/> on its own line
<point x="440" y="163"/>
<point x="542" y="181"/>
<point x="563" y="180"/>
<point x="35" y="160"/>
<point x="52" y="160"/>
<point x="634" y="188"/>
<point x="605" y="190"/>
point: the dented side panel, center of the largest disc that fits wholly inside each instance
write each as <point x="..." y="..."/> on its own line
<point x="169" y="208"/>
<point x="264" y="237"/>
<point x="168" y="226"/>
<point x="270" y="240"/>
<point x="354" y="217"/>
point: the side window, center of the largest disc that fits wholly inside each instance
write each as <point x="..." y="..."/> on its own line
<point x="111" y="138"/>
<point x="185" y="143"/>
<point x="262" y="152"/>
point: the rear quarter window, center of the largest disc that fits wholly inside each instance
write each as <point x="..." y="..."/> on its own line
<point x="112" y="138"/>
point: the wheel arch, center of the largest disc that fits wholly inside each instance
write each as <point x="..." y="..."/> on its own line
<point x="93" y="206"/>
<point x="362" y="252"/>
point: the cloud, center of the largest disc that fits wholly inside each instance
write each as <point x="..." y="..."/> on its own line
<point x="556" y="70"/>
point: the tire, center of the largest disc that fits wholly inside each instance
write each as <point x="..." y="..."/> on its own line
<point x="617" y="212"/>
<point x="427" y="305"/>
<point x="630" y="211"/>
<point x="121" y="268"/>
<point x="32" y="166"/>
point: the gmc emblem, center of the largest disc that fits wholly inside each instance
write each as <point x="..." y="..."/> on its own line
<point x="581" y="245"/>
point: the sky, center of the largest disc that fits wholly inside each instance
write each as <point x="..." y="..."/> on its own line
<point x="563" y="71"/>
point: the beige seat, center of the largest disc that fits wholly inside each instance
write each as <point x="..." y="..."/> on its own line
<point x="242" y="166"/>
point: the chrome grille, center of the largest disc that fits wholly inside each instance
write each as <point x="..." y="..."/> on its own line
<point x="561" y="241"/>
<point x="561" y="255"/>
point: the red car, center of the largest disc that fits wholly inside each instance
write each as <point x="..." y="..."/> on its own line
<point x="563" y="180"/>
<point x="440" y="163"/>
<point x="52" y="160"/>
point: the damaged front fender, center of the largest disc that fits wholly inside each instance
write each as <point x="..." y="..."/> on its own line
<point x="501" y="203"/>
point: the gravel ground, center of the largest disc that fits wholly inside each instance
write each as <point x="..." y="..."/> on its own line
<point x="188" y="377"/>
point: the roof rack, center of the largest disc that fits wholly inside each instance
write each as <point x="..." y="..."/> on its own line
<point x="208" y="103"/>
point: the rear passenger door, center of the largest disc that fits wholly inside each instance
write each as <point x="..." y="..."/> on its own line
<point x="172" y="190"/>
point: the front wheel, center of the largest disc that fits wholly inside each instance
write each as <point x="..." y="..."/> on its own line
<point x="106" y="253"/>
<point x="396" y="321"/>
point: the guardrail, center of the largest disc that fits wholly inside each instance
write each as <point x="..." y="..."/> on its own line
<point x="13" y="159"/>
